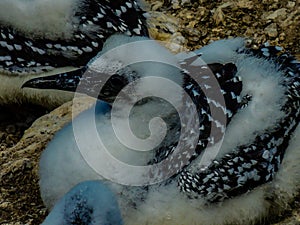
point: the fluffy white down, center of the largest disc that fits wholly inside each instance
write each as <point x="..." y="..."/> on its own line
<point x="40" y="18"/>
<point x="91" y="195"/>
<point x="222" y="51"/>
<point x="261" y="79"/>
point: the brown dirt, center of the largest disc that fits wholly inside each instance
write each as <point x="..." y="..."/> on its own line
<point x="202" y="21"/>
<point x="187" y="22"/>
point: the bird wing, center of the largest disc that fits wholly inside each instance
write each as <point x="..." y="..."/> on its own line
<point x="251" y="164"/>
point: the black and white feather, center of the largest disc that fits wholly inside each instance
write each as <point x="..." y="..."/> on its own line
<point x="255" y="142"/>
<point x="40" y="35"/>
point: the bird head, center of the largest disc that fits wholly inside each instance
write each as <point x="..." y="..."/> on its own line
<point x="122" y="61"/>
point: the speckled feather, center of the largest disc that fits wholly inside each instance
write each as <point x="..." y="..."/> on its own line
<point x="253" y="164"/>
<point x="98" y="20"/>
<point x="230" y="84"/>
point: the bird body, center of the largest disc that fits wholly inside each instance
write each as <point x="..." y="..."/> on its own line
<point x="38" y="37"/>
<point x="257" y="162"/>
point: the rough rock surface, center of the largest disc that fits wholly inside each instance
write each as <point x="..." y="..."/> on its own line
<point x="20" y="201"/>
<point x="184" y="24"/>
<point x="199" y="22"/>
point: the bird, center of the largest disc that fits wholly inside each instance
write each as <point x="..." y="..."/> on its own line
<point x="242" y="102"/>
<point x="41" y="37"/>
<point x="78" y="206"/>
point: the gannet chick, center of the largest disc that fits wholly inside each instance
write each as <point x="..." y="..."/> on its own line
<point x="88" y="203"/>
<point x="260" y="90"/>
<point x="42" y="35"/>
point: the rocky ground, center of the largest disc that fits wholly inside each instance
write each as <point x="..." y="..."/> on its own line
<point x="187" y="24"/>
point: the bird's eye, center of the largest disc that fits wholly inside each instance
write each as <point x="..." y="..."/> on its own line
<point x="113" y="86"/>
<point x="117" y="81"/>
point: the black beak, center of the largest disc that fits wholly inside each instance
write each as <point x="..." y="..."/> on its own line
<point x="65" y="81"/>
<point x="84" y="80"/>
